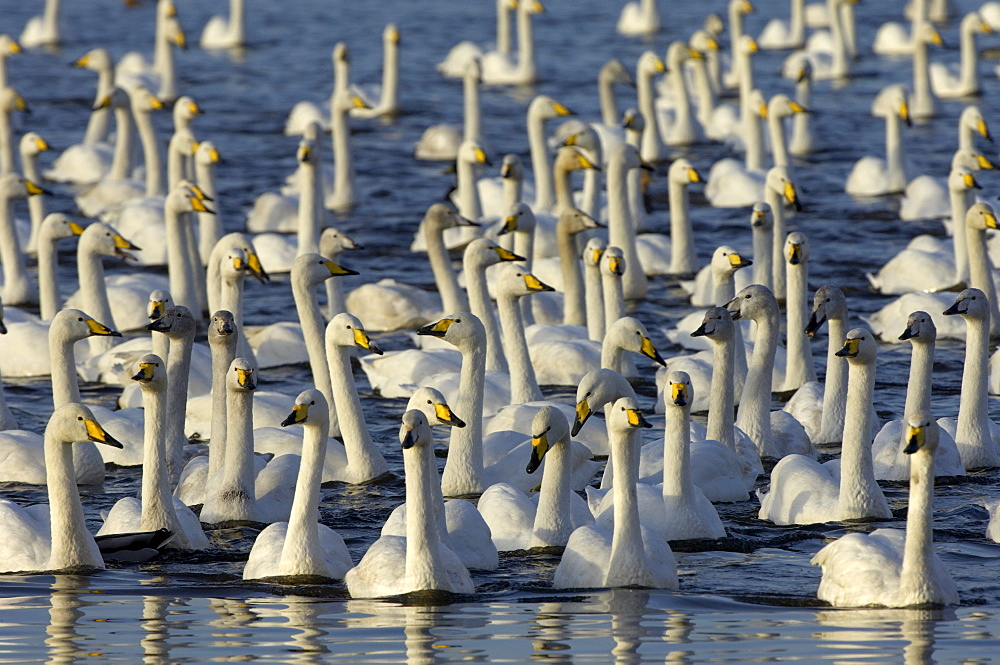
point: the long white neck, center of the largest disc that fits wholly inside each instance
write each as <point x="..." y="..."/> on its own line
<point x="541" y="165"/>
<point x="860" y="495"/>
<point x="482" y="306"/>
<point x="553" y="525"/>
<point x="923" y="98"/>
<point x="918" y="386"/>
<point x="336" y="302"/>
<point x="473" y="113"/>
<point x="800" y="367"/>
<point x="959" y="206"/>
<point x="72" y="544"/>
<point x="180" y="266"/>
<point x="17" y="286"/>
<point x="210" y="227"/>
<point x="629" y="565"/>
<point x="302" y="553"/>
<point x="763" y="256"/>
<point x="236" y="27"/>
<point x="801" y="143"/>
<point x="453" y="299"/>
<point x="683" y="259"/>
<point x="595" y="302"/>
<point x="503" y="27"/>
<point x="178" y="371"/>
<point x="223" y="354"/>
<point x="100" y="118"/>
<point x="48" y="285"/>
<point x="779" y="231"/>
<point x="36" y="204"/>
<point x="313" y="329"/>
<point x="606" y="93"/>
<point x="970" y="60"/>
<point x="237" y="489"/>
<point x="753" y="139"/>
<point x="614" y="302"/>
<point x="981" y="271"/>
<point x="563" y="187"/>
<point x="167" y="70"/>
<point x="895" y="157"/>
<point x="423" y="545"/>
<point x="151" y="151"/>
<point x="652" y="145"/>
<point x="754" y="416"/>
<point x="176" y="159"/>
<point x="513" y="192"/>
<point x="973" y="428"/>
<point x="722" y="395"/>
<point x="834" y="386"/>
<point x="918" y="549"/>
<point x="683" y="130"/>
<point x="725" y="290"/>
<point x="735" y="32"/>
<point x="309" y="222"/>
<point x="779" y="149"/>
<point x="95" y="296"/>
<point x="469" y="205"/>
<point x="122" y="158"/>
<point x="525" y="48"/>
<point x="50" y="20"/>
<point x="463" y="472"/>
<point x="621" y="231"/>
<point x="636" y="205"/>
<point x="573" y="290"/>
<point x="363" y="457"/>
<point x="524" y="245"/>
<point x="343" y="178"/>
<point x="703" y="94"/>
<point x="841" y="64"/>
<point x="65" y="389"/>
<point x="679" y="498"/>
<point x="523" y="385"/>
<point x="7" y="163"/>
<point x="157" y="500"/>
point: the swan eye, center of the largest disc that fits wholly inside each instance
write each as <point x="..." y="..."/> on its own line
<point x="429" y="402"/>
<point x="79" y="417"/>
<point x="747" y="296"/>
<point x="80" y="319"/>
<point x="312" y="403"/>
<point x="458" y="320"/>
<point x="348" y="326"/>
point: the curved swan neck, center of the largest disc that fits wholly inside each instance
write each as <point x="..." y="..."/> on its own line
<point x="755" y="403"/>
<point x="94" y="294"/>
<point x="552" y="518"/>
<point x="311" y="320"/>
<point x="606" y="93"/>
<point x="65" y="388"/>
<point x="523" y="385"/>
<point x="683" y="259"/>
<point x="651" y="149"/>
<point x="452" y="297"/>
<point x="482" y="306"/>
<point x="363" y="457"/>
<point x="100" y="118"/>
<point x="981" y="271"/>
<point x="72" y="544"/>
<point x="302" y="537"/>
<point x="722" y="395"/>
<point x="463" y="472"/>
<point x="779" y="148"/>
<point x="122" y="157"/>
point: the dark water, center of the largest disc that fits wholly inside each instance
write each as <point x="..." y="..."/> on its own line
<point x="748" y="598"/>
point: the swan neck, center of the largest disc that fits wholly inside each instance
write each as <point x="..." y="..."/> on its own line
<point x="178" y="371"/>
<point x="835" y="384"/>
<point x="503" y="27"/>
<point x="763" y="257"/>
<point x="17" y="286"/>
<point x="525" y="47"/>
<point x="463" y="472"/>
<point x="800" y="367"/>
<point x="722" y="399"/>
<point x="223" y="353"/>
<point x="614" y="301"/>
<point x="969" y="72"/>
<point x="683" y="259"/>
<point x="973" y="418"/>
<point x="236" y="25"/>
<point x="573" y="291"/>
<point x="309" y="222"/>
<point x="180" y="267"/>
<point x="595" y="303"/>
<point x="122" y="157"/>
<point x="209" y="226"/>
<point x="779" y="232"/>
<point x="552" y="518"/>
<point x="918" y="386"/>
<point x="860" y="495"/>
<point x="311" y="320"/>
<point x="621" y="230"/>
<point x="918" y="547"/>
<point x="469" y="205"/>
<point x="473" y="112"/>
<point x="151" y="152"/>
<point x="523" y="385"/>
<point x="609" y="106"/>
<point x="677" y="480"/>
<point x="302" y="537"/>
<point x="157" y="500"/>
<point x="981" y="271"/>
<point x="48" y="285"/>
<point x="92" y="289"/>
<point x="363" y="458"/>
<point x="237" y="487"/>
<point x="482" y="307"/>
<point x="453" y="299"/>
<point x="541" y="165"/>
<point x="343" y="178"/>
<point x="423" y="547"/>
<point x="755" y="403"/>
<point x="72" y="544"/>
<point x="779" y="148"/>
<point x="628" y="554"/>
<point x="895" y="154"/>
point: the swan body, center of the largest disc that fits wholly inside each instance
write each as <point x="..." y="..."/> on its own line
<point x="303" y="546"/>
<point x="57" y="538"/>
<point x="630" y="555"/>
<point x="420" y="561"/>
<point x="887" y="567"/>
<point x="42" y="30"/>
<point x="455" y="63"/>
<point x="804" y="491"/>
<point x="779" y="34"/>
<point x="639" y="18"/>
<point x="221" y="32"/>
<point x="950" y="81"/>
<point x="387" y="103"/>
<point x="875" y="176"/>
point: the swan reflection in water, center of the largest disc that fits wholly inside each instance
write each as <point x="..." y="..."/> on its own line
<point x="863" y="629"/>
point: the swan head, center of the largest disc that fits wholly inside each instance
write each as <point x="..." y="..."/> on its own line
<point x="625" y="415"/>
<point x="593" y="252"/>
<point x="548" y="428"/>
<point x="483" y="252"/>
<point x="760" y="216"/>
<point x="573" y="220"/>
<point x="702" y="42"/>
<point x="980" y="216"/>
<point x="630" y="334"/>
<point x="242" y="377"/>
<point x="544" y="107"/>
<point x="346" y="330"/>
<point x="920" y="326"/>
<point x="971" y="304"/>
<point x="519" y="218"/>
<point x="143" y="101"/>
<point x="206" y="153"/>
<point x="514" y="280"/>
<point x="390" y="34"/>
<point x="796" y="248"/>
<point x="892" y="100"/>
<point x="530" y="7"/>
<point x="340" y="55"/>
<point x="726" y="261"/>
<point x="614" y="71"/>
<point x="118" y="98"/>
<point x="9" y="46"/>
<point x="717" y="324"/>
<point x="633" y="122"/>
<point x="922" y="433"/>
<point x="185" y="110"/>
<point x="471" y="151"/>
<point x="308" y="402"/>
<point x="828" y="303"/>
<point x="962" y="179"/>
<point x="440" y="216"/>
<point x="97" y="60"/>
<point x="74" y="325"/>
<point x="434" y="406"/>
<point x="714" y="25"/>
<point x="753" y="302"/>
<point x="13" y="186"/>
<point x="11" y="100"/>
<point x="223" y="324"/>
<point x="75" y="422"/>
<point x="459" y="329"/>
<point x="56" y="225"/>
<point x="33" y="144"/>
<point x="511" y="168"/>
<point x="151" y="372"/>
<point x="971" y="159"/>
<point x="333" y="241"/>
<point x="473" y="72"/>
<point x="678" y="53"/>
<point x="159" y="301"/>
<point x="678" y="391"/>
<point x="415" y="430"/>
<point x="315" y="269"/>
<point x="306" y="153"/>
<point x="747" y="46"/>
<point x="859" y="347"/>
<point x="176" y="323"/>
<point x="174" y="33"/>
<point x="682" y="173"/>
<point x="597" y="388"/>
<point x="648" y="66"/>
<point x="613" y="262"/>
<point x="972" y="118"/>
<point x="757" y="102"/>
<point x="780" y="182"/>
<point x="925" y="33"/>
<point x="782" y="106"/>
<point x="578" y="134"/>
